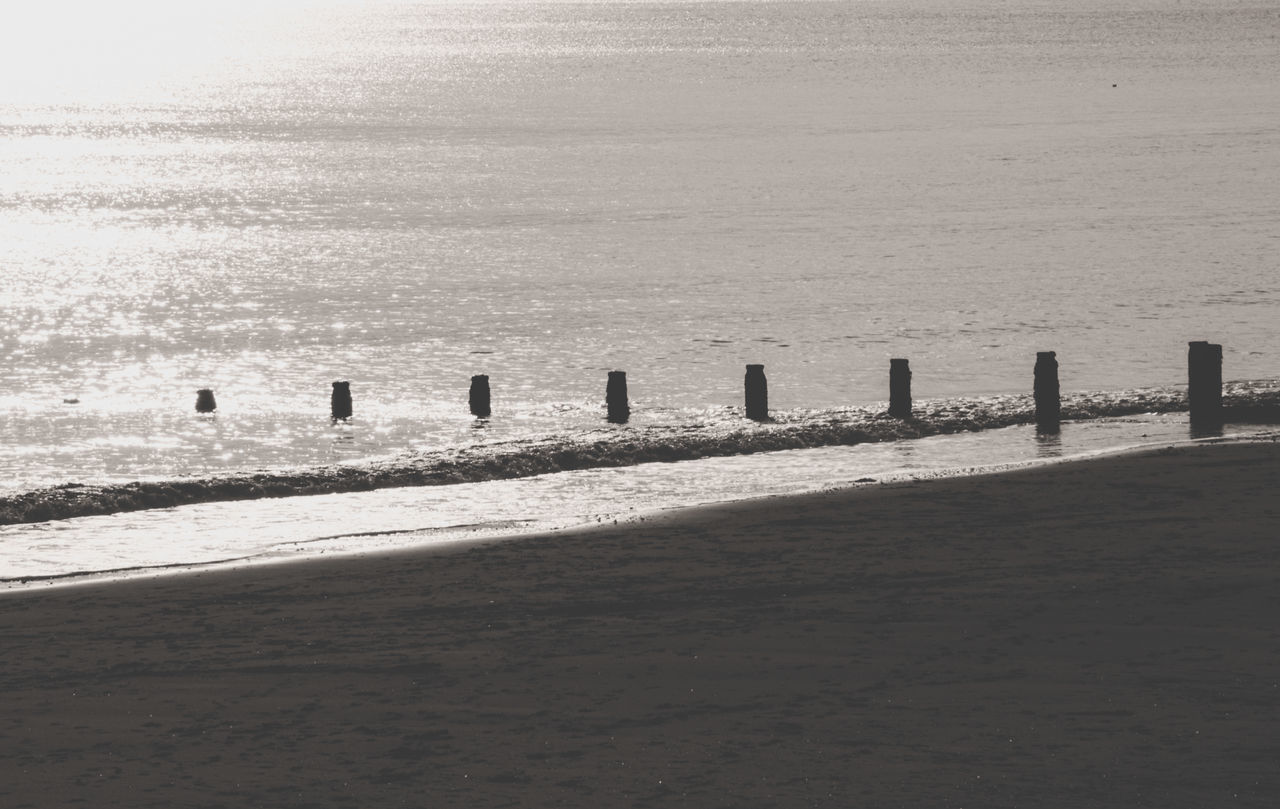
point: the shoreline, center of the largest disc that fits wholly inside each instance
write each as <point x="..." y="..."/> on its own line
<point x="440" y="538"/>
<point x="1253" y="401"/>
<point x="1094" y="633"/>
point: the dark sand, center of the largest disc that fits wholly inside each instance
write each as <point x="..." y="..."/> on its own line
<point x="1095" y="634"/>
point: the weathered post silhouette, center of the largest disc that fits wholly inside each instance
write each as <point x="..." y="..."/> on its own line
<point x="1204" y="382"/>
<point x="340" y="401"/>
<point x="1047" y="393"/>
<point x="899" y="389"/>
<point x="479" y="396"/>
<point x="615" y="397"/>
<point x="205" y="402"/>
<point x="756" y="388"/>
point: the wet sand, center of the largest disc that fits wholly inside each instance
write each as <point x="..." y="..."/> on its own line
<point x="1102" y="633"/>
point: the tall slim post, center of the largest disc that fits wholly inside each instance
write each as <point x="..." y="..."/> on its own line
<point x="899" y="389"/>
<point x="205" y="403"/>
<point x="478" y="397"/>
<point x="615" y="397"/>
<point x="1204" y="382"/>
<point x="756" y="388"/>
<point x="1047" y="393"/>
<point x="340" y="401"/>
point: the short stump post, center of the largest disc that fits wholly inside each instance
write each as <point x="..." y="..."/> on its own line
<point x="899" y="389"/>
<point x="1204" y="382"/>
<point x="340" y="401"/>
<point x="1048" y="395"/>
<point x="615" y="397"/>
<point x="479" y="396"/>
<point x="205" y="402"/>
<point x="756" y="388"/>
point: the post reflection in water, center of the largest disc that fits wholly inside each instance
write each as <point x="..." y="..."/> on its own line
<point x="343" y="433"/>
<point x="1211" y="429"/>
<point x="1048" y="444"/>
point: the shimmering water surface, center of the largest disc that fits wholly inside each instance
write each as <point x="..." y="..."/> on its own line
<point x="403" y="195"/>
<point x="261" y="198"/>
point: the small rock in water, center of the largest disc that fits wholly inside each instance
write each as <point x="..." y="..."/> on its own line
<point x="71" y="400"/>
<point x="865" y="480"/>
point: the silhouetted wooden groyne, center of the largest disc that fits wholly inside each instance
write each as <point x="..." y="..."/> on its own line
<point x="205" y="403"/>
<point x="1253" y="402"/>
<point x="478" y="397"/>
<point x="900" y="388"/>
<point x="1047" y="393"/>
<point x="756" y="391"/>
<point x="1204" y="393"/>
<point x="340" y="401"/>
<point x="1204" y="383"/>
<point x="615" y="398"/>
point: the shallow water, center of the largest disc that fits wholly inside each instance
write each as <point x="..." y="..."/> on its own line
<point x="225" y="534"/>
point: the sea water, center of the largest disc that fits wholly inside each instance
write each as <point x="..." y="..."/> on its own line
<point x="263" y="198"/>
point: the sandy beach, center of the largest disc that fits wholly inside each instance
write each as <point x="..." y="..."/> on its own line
<point x="1103" y="633"/>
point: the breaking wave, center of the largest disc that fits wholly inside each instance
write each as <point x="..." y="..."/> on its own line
<point x="723" y="435"/>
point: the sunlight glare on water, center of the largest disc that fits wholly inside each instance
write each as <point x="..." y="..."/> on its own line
<point x="79" y="51"/>
<point x="262" y="198"/>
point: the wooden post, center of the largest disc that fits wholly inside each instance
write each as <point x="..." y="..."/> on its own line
<point x="899" y="389"/>
<point x="205" y="402"/>
<point x="757" y="393"/>
<point x="615" y="397"/>
<point x="1047" y="393"/>
<point x="479" y="396"/>
<point x="1204" y="382"/>
<point x="340" y="401"/>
